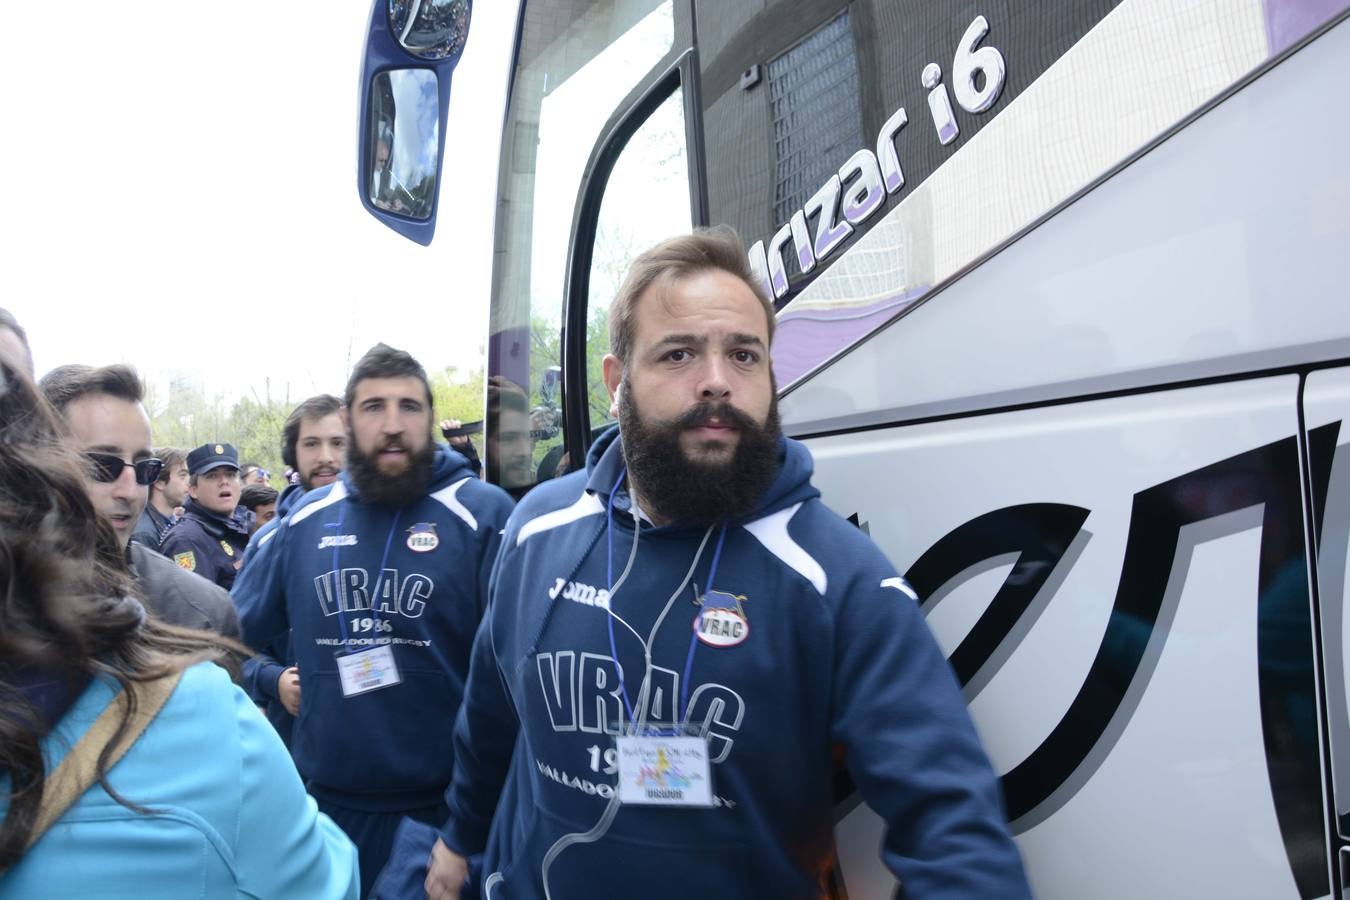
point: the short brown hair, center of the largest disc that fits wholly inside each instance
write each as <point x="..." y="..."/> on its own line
<point x="64" y="385"/>
<point x="383" y="361"/>
<point x="675" y="258"/>
<point x="172" y="458"/>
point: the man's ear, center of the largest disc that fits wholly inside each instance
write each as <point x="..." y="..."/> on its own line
<point x="346" y="417"/>
<point x="612" y="367"/>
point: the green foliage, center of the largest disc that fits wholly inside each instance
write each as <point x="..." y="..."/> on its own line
<point x="457" y="395"/>
<point x="546" y="350"/>
<point x="253" y="424"/>
<point x="597" y="345"/>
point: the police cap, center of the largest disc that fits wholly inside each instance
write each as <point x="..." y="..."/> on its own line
<point x="212" y="456"/>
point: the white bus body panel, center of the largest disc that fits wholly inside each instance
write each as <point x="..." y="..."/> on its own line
<point x="1180" y="804"/>
<point x="1326" y="403"/>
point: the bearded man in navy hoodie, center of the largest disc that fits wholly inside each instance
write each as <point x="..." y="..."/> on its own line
<point x="680" y="636"/>
<point x="379" y="578"/>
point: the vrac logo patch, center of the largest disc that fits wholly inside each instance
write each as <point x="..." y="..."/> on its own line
<point x="722" y="621"/>
<point x="422" y="537"/>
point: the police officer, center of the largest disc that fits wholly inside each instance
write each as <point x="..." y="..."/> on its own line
<point x="211" y="537"/>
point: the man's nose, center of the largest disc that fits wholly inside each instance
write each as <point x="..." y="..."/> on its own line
<point x="125" y="486"/>
<point x="715" y="383"/>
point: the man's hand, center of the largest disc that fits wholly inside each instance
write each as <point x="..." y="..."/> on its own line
<point x="446" y="873"/>
<point x="288" y="690"/>
<point x="459" y="441"/>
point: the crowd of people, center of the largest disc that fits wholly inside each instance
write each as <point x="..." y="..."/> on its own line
<point x="394" y="680"/>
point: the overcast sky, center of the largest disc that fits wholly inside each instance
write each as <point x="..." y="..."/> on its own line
<point x="181" y="194"/>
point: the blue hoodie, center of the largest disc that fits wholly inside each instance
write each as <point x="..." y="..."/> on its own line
<point x="426" y="566"/>
<point x="261" y="673"/>
<point x="818" y="644"/>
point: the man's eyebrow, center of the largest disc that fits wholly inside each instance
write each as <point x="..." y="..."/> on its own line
<point x="682" y="339"/>
<point x="104" y="448"/>
<point x="740" y="337"/>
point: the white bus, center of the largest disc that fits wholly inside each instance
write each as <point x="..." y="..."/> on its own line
<point x="1064" y="318"/>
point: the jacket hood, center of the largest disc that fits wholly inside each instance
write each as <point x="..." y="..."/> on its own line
<point x="791" y="484"/>
<point x="289" y="497"/>
<point x="447" y="467"/>
<point x="48" y="692"/>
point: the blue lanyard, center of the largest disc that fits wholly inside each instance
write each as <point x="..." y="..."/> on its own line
<point x="375" y="589"/>
<point x="693" y="638"/>
<point x="609" y="618"/>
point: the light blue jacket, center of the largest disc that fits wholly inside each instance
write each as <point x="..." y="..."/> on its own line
<point x="229" y="816"/>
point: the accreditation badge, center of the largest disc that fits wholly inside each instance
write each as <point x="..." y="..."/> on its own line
<point x="669" y="767"/>
<point x="367" y="670"/>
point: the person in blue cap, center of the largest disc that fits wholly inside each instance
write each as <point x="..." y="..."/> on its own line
<point x="682" y="639"/>
<point x="211" y="536"/>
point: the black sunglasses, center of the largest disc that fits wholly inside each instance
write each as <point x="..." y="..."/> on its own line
<point x="108" y="467"/>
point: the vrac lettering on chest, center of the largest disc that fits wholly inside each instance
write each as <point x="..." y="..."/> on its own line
<point x="581" y="692"/>
<point x="352" y="590"/>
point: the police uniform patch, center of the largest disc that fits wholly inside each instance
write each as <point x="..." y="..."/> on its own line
<point x="225" y="545"/>
<point x="220" y="451"/>
<point x="722" y="621"/>
<point x="422" y="537"/>
<point x="186" y="560"/>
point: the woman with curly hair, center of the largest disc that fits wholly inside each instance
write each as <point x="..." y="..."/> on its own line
<point x="130" y="764"/>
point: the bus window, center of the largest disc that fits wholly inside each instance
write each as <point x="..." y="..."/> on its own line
<point x="646" y="200"/>
<point x="572" y="72"/>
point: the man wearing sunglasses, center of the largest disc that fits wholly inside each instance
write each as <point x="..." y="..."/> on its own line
<point x="106" y="421"/>
<point x="211" y="536"/>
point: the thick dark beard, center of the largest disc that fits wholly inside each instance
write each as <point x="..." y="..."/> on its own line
<point x="698" y="493"/>
<point x="381" y="489"/>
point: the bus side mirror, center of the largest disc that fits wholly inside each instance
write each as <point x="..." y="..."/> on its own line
<point x="412" y="47"/>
